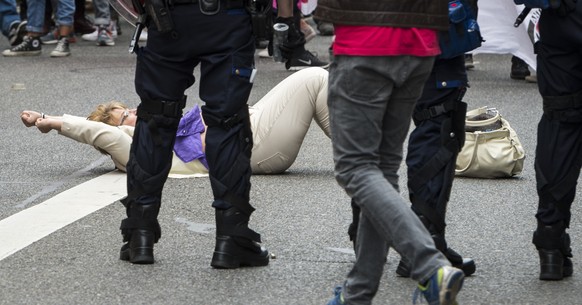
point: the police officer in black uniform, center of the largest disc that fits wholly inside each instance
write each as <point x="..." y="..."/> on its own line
<point x="433" y="146"/>
<point x="182" y="34"/>
<point x="559" y="143"/>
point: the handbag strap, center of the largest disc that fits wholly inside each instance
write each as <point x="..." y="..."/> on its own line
<point x="473" y="154"/>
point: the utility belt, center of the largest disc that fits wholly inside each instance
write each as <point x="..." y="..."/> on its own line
<point x="158" y="11"/>
<point x="440" y="109"/>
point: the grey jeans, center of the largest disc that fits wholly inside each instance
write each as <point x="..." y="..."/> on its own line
<point x="102" y="12"/>
<point x="371" y="100"/>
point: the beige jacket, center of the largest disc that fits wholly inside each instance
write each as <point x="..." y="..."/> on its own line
<point x="116" y="142"/>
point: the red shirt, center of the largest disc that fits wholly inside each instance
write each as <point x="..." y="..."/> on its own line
<point x="384" y="41"/>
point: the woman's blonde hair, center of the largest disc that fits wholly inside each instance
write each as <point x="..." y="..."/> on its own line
<point x="103" y="112"/>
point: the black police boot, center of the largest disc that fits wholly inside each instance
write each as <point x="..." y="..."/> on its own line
<point x="457" y="261"/>
<point x="235" y="242"/>
<point x="553" y="245"/>
<point x="140" y="231"/>
<point x="519" y="68"/>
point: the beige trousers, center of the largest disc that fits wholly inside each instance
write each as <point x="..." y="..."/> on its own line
<point x="281" y="119"/>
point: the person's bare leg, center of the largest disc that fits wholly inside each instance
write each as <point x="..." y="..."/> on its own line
<point x="65" y="30"/>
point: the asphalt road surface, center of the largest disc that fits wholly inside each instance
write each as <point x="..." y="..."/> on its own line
<point x="60" y="214"/>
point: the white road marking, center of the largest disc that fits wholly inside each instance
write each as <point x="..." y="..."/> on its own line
<point x="52" y="187"/>
<point x="24" y="228"/>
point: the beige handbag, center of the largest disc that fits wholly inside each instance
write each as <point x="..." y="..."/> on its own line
<point x="492" y="149"/>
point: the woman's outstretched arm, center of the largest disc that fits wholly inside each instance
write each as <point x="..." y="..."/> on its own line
<point x="111" y="140"/>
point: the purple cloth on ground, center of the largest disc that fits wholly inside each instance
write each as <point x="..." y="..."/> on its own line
<point x="188" y="146"/>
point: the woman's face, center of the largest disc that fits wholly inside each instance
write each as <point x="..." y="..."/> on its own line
<point x="124" y="116"/>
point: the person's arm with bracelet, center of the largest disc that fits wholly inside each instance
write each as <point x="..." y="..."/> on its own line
<point x="108" y="139"/>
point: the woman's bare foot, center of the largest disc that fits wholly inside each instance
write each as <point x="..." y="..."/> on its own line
<point x="29" y="117"/>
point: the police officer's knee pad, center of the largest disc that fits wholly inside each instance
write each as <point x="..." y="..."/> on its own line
<point x="165" y="114"/>
<point x="566" y="109"/>
<point x="239" y="120"/>
<point x="226" y="123"/>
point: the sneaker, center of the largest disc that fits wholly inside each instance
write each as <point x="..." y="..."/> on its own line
<point x="105" y="37"/>
<point x="442" y="287"/>
<point x="93" y="35"/>
<point x="30" y="46"/>
<point x="62" y="48"/>
<point x="51" y="37"/>
<point x="338" y="298"/>
<point x="305" y="60"/>
<point x="519" y="68"/>
<point x="17" y="32"/>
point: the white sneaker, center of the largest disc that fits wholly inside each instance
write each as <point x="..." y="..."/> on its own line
<point x="62" y="49"/>
<point x="95" y="34"/>
<point x="105" y="37"/>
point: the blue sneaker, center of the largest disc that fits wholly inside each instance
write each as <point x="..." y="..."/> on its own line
<point x="338" y="298"/>
<point x="442" y="287"/>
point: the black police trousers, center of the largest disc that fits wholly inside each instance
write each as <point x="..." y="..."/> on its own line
<point x="559" y="140"/>
<point x="434" y="143"/>
<point x="223" y="46"/>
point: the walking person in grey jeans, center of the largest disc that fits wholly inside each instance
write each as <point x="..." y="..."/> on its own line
<point x="383" y="54"/>
<point x="105" y="29"/>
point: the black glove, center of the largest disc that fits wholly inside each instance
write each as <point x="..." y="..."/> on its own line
<point x="295" y="39"/>
<point x="290" y="47"/>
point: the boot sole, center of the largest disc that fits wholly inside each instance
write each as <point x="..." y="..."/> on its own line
<point x="554" y="267"/>
<point x="222" y="260"/>
<point x="140" y="259"/>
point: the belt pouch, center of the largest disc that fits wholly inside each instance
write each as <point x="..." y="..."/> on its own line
<point x="159" y="11"/>
<point x="209" y="7"/>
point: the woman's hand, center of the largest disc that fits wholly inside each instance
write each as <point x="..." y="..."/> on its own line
<point x="44" y="125"/>
<point x="29" y="117"/>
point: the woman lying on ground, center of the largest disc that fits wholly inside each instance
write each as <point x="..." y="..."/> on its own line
<point x="279" y="121"/>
